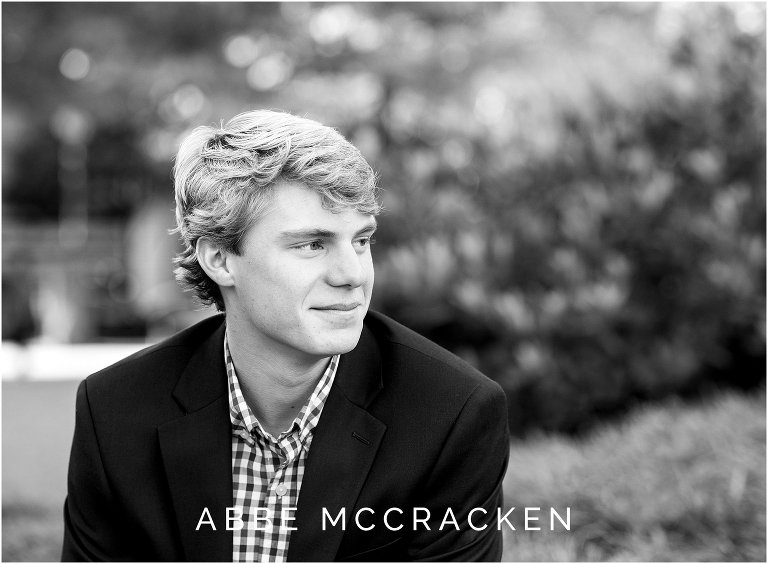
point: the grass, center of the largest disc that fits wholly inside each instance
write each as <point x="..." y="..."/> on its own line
<point x="32" y="533"/>
<point x="35" y="455"/>
<point x="672" y="482"/>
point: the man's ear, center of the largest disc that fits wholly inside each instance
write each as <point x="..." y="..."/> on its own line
<point x="213" y="260"/>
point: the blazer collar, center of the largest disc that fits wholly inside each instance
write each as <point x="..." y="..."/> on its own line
<point x="360" y="370"/>
<point x="204" y="379"/>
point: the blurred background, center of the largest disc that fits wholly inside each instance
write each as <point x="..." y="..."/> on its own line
<point x="575" y="200"/>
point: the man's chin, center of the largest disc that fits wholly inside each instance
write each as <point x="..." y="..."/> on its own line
<point x="343" y="341"/>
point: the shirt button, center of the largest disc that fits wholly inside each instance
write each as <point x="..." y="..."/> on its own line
<point x="281" y="489"/>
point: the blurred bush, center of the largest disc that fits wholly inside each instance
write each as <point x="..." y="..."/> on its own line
<point x="672" y="482"/>
<point x="575" y="193"/>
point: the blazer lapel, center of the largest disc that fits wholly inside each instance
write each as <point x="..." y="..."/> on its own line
<point x="343" y="448"/>
<point x="197" y="454"/>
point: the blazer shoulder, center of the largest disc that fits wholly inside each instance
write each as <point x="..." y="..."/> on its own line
<point x="161" y="361"/>
<point x="406" y="347"/>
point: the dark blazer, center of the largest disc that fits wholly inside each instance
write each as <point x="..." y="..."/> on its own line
<point x="406" y="424"/>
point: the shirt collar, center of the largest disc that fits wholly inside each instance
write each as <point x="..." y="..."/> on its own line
<point x="304" y="423"/>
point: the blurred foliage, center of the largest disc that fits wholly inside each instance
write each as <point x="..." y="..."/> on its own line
<point x="575" y="192"/>
<point x="672" y="483"/>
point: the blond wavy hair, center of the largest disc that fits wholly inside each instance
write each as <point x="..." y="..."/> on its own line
<point x="224" y="179"/>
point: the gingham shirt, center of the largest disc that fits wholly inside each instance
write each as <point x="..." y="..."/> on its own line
<point x="267" y="471"/>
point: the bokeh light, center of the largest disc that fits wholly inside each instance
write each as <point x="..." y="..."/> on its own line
<point x="332" y="23"/>
<point x="490" y="104"/>
<point x="71" y="124"/>
<point x="75" y="64"/>
<point x="241" y="50"/>
<point x="270" y="71"/>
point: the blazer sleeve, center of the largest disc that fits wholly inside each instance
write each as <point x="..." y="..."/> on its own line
<point x="92" y="527"/>
<point x="467" y="478"/>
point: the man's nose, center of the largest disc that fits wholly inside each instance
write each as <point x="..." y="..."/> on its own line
<point x="346" y="268"/>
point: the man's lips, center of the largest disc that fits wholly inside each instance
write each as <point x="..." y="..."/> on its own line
<point x="338" y="307"/>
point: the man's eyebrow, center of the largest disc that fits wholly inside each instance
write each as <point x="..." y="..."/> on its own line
<point x="310" y="233"/>
<point x="371" y="227"/>
<point x="319" y="233"/>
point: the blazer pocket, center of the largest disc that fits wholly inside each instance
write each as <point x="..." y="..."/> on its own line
<point x="389" y="552"/>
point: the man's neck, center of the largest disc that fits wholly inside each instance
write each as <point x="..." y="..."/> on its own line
<point x="275" y="386"/>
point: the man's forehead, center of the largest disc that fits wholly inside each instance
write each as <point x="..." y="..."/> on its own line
<point x="295" y="207"/>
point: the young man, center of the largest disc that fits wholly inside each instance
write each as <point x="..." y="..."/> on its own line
<point x="297" y="425"/>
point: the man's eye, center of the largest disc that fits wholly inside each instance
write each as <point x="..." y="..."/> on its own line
<point x="311" y="246"/>
<point x="365" y="241"/>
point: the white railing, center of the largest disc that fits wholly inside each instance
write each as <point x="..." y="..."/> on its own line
<point x="51" y="361"/>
